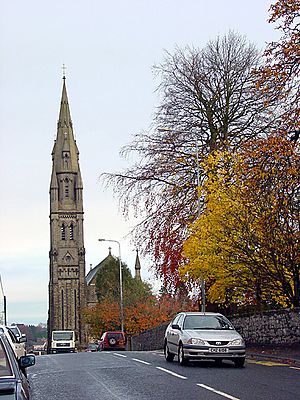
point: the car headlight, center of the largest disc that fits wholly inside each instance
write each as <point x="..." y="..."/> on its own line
<point x="237" y="342"/>
<point x="196" y="341"/>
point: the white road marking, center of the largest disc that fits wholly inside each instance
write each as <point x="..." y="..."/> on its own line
<point x="295" y="368"/>
<point x="171" y="373"/>
<point x="120" y="355"/>
<point x="218" y="392"/>
<point x="141" y="361"/>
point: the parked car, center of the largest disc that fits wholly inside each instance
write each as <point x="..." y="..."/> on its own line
<point x="13" y="382"/>
<point x="18" y="345"/>
<point x="92" y="347"/>
<point x="198" y="336"/>
<point x="112" y="340"/>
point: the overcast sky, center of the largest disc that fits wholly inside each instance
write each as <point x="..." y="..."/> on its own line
<point x="109" y="48"/>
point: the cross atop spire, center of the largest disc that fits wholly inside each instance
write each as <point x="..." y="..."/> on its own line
<point x="64" y="71"/>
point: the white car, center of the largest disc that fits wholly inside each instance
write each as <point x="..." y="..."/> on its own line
<point x="195" y="336"/>
<point x="18" y="345"/>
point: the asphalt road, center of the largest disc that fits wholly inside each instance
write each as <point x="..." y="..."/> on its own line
<point x="146" y="375"/>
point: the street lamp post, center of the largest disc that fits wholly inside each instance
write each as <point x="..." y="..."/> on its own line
<point x="4" y="302"/>
<point x="121" y="281"/>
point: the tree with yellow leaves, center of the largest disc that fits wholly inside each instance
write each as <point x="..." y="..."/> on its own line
<point x="246" y="242"/>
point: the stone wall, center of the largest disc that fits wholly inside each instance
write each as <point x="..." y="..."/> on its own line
<point x="280" y="328"/>
<point x="152" y="339"/>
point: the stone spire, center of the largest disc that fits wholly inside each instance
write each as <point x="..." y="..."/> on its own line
<point x="65" y="153"/>
<point x="137" y="266"/>
<point x="67" y="286"/>
<point x="64" y="119"/>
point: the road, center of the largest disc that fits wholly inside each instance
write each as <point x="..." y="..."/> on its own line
<point x="146" y="375"/>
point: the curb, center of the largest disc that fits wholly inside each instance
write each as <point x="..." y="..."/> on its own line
<point x="285" y="359"/>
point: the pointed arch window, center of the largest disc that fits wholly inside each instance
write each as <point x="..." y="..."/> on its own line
<point x="72" y="232"/>
<point x="67" y="188"/>
<point x="66" y="158"/>
<point x="63" y="232"/>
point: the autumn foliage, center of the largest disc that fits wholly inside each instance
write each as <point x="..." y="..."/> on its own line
<point x="246" y="242"/>
<point x="141" y="308"/>
<point x="279" y="77"/>
<point x="139" y="316"/>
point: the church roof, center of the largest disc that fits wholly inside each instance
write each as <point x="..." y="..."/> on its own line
<point x="93" y="272"/>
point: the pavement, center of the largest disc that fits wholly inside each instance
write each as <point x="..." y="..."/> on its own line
<point x="284" y="354"/>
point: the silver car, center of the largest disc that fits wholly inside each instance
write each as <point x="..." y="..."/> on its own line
<point x="196" y="336"/>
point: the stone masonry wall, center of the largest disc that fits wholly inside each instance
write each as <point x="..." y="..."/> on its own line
<point x="280" y="327"/>
<point x="152" y="339"/>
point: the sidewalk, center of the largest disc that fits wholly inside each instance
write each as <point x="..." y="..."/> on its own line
<point x="287" y="355"/>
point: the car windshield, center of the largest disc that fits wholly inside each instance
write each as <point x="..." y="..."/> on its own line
<point x="206" y="322"/>
<point x="117" y="336"/>
<point x="14" y="330"/>
<point x="62" y="335"/>
<point x="5" y="369"/>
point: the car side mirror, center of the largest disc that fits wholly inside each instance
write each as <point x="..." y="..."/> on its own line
<point x="175" y="326"/>
<point x="26" y="361"/>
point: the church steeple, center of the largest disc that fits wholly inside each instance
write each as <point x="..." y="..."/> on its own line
<point x="64" y="114"/>
<point x="65" y="153"/>
<point x="67" y="285"/>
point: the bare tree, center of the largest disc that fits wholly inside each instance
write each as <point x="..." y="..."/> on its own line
<point x="208" y="102"/>
<point x="211" y="93"/>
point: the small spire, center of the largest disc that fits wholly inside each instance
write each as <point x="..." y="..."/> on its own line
<point x="137" y="266"/>
<point x="109" y="251"/>
<point x="54" y="183"/>
<point x="64" y="120"/>
<point x="79" y="184"/>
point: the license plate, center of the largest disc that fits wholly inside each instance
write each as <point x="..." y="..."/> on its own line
<point x="218" y="350"/>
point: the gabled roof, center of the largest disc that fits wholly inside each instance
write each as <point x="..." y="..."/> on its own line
<point x="93" y="272"/>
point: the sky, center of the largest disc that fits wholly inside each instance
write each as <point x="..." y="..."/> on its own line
<point x="109" y="49"/>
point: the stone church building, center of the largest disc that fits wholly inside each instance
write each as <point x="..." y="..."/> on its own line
<point x="70" y="290"/>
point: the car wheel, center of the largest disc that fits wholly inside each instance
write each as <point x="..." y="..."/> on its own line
<point x="112" y="341"/>
<point x="181" y="357"/>
<point x="168" y="356"/>
<point x="239" y="362"/>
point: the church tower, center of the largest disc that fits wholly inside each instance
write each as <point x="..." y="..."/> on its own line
<point x="67" y="287"/>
